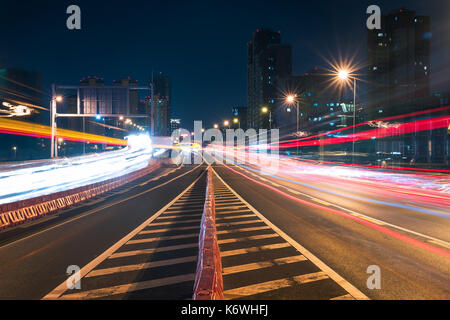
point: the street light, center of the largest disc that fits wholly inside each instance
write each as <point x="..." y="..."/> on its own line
<point x="236" y="121"/>
<point x="265" y="110"/>
<point x="55" y="99"/>
<point x="216" y="126"/>
<point x="226" y="123"/>
<point x="15" y="151"/>
<point x="291" y="99"/>
<point x="344" y="75"/>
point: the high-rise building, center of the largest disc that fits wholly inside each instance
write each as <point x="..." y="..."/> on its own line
<point x="268" y="61"/>
<point x="174" y="125"/>
<point x="161" y="104"/>
<point x="398" y="63"/>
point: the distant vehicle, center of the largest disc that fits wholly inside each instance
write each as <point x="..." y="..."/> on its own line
<point x="188" y="146"/>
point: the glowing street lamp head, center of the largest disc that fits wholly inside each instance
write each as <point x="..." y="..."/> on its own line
<point x="58" y="98"/>
<point x="216" y="126"/>
<point x="290" y="98"/>
<point x="226" y="123"/>
<point x="343" y="74"/>
<point x="264" y="109"/>
<point x="235" y="120"/>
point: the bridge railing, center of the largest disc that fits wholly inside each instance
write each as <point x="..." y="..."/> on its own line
<point x="15" y="213"/>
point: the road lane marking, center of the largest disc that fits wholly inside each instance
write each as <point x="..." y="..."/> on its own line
<point x="230" y="223"/>
<point x="131" y="253"/>
<point x="177" y="216"/>
<point x="344" y="297"/>
<point x="242" y="230"/>
<point x="174" y="222"/>
<point x="232" y="207"/>
<point x="233" y="211"/>
<point x="228" y="253"/>
<point x="140" y="266"/>
<point x="168" y="229"/>
<point x="262" y="264"/>
<point x="357" y="294"/>
<point x="146" y="240"/>
<point x="272" y="285"/>
<point x="225" y="204"/>
<point x="60" y="289"/>
<point x="380" y="226"/>
<point x="130" y="287"/>
<point x="106" y="206"/>
<point x="249" y="238"/>
<point x="238" y="216"/>
<point x="181" y="211"/>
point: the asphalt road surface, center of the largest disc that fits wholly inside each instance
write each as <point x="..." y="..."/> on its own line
<point x="278" y="239"/>
<point x="34" y="257"/>
<point x="349" y="235"/>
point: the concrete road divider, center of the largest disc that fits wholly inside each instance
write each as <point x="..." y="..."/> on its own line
<point x="208" y="279"/>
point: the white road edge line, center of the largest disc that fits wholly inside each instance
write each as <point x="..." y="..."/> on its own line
<point x="366" y="217"/>
<point x="321" y="265"/>
<point x="59" y="290"/>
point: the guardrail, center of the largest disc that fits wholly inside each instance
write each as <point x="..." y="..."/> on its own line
<point x="208" y="279"/>
<point x="15" y="213"/>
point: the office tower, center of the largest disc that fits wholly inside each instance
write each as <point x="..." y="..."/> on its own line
<point x="268" y="61"/>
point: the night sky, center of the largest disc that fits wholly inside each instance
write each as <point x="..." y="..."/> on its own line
<point x="200" y="44"/>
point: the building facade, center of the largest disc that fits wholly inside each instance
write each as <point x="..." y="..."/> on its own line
<point x="162" y="98"/>
<point x="268" y="61"/>
<point x="398" y="64"/>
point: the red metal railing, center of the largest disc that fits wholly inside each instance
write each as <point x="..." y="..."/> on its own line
<point x="15" y="213"/>
<point x="208" y="279"/>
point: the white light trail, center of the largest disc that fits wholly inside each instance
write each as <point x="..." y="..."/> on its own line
<point x="36" y="178"/>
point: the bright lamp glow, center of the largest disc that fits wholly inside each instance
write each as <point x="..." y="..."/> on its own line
<point x="290" y="98"/>
<point x="343" y="74"/>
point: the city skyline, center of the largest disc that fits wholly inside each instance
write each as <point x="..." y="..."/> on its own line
<point x="189" y="65"/>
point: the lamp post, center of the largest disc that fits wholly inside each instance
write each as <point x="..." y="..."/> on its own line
<point x="290" y="99"/>
<point x="15" y="152"/>
<point x="344" y="75"/>
<point x="266" y="110"/>
<point x="226" y="123"/>
<point x="236" y="121"/>
<point x="55" y="99"/>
